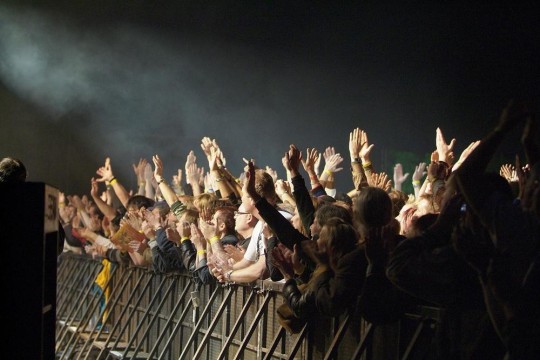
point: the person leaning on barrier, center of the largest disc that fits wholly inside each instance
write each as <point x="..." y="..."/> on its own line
<point x="259" y="184"/>
<point x="330" y="290"/>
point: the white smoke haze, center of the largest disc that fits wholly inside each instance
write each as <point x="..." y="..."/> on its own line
<point x="140" y="92"/>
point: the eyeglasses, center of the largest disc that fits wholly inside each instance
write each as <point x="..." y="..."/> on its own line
<point x="238" y="213"/>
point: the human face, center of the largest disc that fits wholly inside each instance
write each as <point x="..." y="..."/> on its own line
<point x="241" y="219"/>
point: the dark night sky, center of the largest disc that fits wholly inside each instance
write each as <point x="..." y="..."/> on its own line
<point x="82" y="80"/>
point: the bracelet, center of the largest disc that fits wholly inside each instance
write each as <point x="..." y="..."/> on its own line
<point x="184" y="238"/>
<point x="162" y="180"/>
<point x="112" y="181"/>
<point x="328" y="172"/>
<point x="61" y="205"/>
<point x="228" y="275"/>
<point x="213" y="239"/>
<point x="142" y="183"/>
<point x="201" y="252"/>
<point x="366" y="164"/>
<point x="416" y="183"/>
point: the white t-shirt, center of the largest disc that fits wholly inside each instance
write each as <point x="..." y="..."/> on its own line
<point x="257" y="244"/>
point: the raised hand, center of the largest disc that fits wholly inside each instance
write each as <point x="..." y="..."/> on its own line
<point x="365" y="148"/>
<point x="158" y="170"/>
<point x="191" y="160"/>
<point x="419" y="172"/>
<point x="192" y="174"/>
<point x="105" y="172"/>
<point x="249" y="183"/>
<point x="311" y="158"/>
<point x="207" y="145"/>
<point x="399" y="177"/>
<point x="94" y="191"/>
<point x="443" y="148"/>
<point x="381" y="180"/>
<point x="246" y="161"/>
<point x="332" y="163"/>
<point x="355" y="143"/>
<point x="139" y="169"/>
<point x="508" y="171"/>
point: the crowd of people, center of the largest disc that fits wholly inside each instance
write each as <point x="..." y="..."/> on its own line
<point x="467" y="240"/>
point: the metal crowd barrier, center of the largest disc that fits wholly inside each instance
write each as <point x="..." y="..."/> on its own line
<point x="163" y="316"/>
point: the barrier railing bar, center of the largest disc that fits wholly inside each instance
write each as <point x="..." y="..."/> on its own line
<point x="414" y="338"/>
<point x="254" y="324"/>
<point x="170" y="320"/>
<point x="298" y="342"/>
<point x="337" y="338"/>
<point x="82" y="295"/>
<point x="92" y="312"/>
<point x="368" y="334"/>
<point x="60" y="336"/>
<point x="122" y="312"/>
<point x="134" y="308"/>
<point x="279" y="335"/>
<point x="179" y="325"/>
<point x="116" y="295"/>
<point x="154" y="318"/>
<point x="237" y="324"/>
<point x="195" y="331"/>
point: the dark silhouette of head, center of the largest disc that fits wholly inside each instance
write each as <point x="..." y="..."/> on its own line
<point x="12" y="171"/>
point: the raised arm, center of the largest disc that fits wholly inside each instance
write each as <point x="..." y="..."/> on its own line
<point x="355" y="145"/>
<point x="106" y="175"/>
<point x="177" y="207"/>
<point x="106" y="209"/>
<point x="138" y="169"/>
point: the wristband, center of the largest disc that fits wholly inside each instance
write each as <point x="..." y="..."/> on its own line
<point x="228" y="275"/>
<point x="113" y="181"/>
<point x="201" y="252"/>
<point x="213" y="239"/>
<point x="184" y="238"/>
<point x="366" y="164"/>
<point x="162" y="180"/>
<point x="328" y="172"/>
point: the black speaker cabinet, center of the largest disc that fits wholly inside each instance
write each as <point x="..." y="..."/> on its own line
<point x="29" y="242"/>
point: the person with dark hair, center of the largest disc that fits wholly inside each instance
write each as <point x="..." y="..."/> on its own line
<point x="12" y="171"/>
<point x="337" y="239"/>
